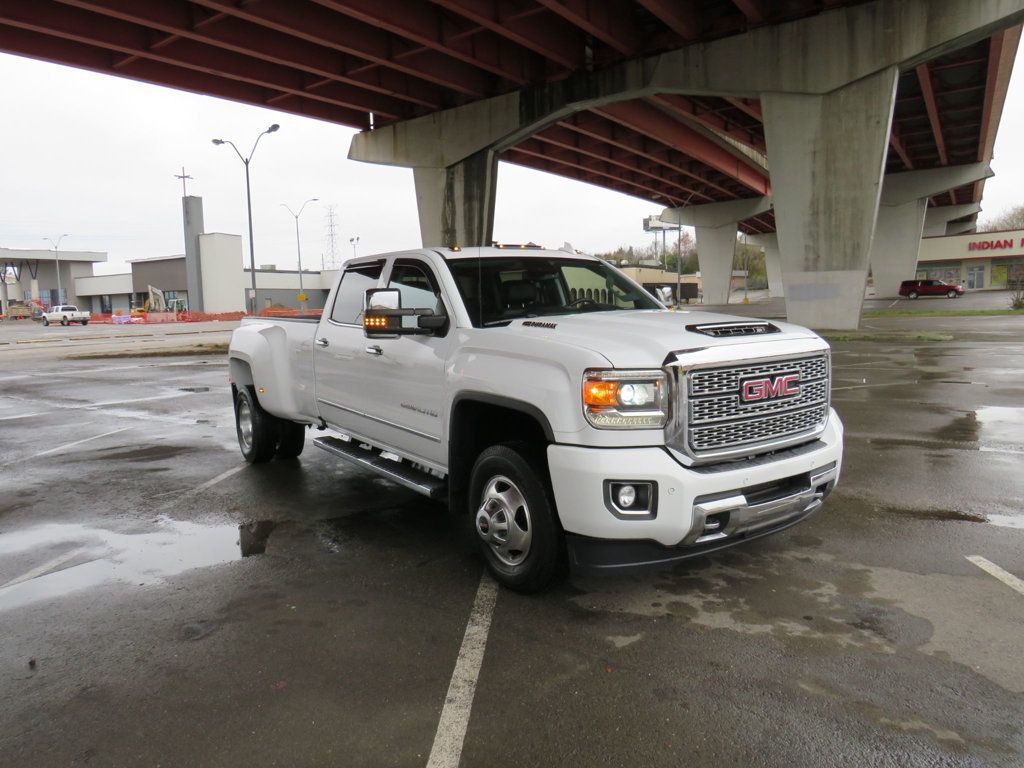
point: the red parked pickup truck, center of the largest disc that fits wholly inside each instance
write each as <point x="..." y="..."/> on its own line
<point x="914" y="288"/>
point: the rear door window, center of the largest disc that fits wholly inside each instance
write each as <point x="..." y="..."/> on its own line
<point x="355" y="282"/>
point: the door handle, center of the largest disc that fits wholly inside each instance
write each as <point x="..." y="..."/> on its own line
<point x="374" y="350"/>
<point x="322" y="342"/>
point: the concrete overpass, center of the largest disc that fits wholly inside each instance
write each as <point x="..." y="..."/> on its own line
<point x="778" y="118"/>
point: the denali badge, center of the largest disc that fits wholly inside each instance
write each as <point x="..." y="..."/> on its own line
<point x="770" y="387"/>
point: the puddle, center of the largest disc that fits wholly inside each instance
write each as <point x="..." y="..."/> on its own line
<point x="1001" y="424"/>
<point x="194" y="389"/>
<point x="94" y="556"/>
<point x="1007" y="521"/>
<point x="939" y="514"/>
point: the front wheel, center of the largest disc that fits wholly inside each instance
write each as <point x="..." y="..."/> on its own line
<point x="912" y="295"/>
<point x="514" y="518"/>
<point x="257" y="432"/>
<point x="951" y="294"/>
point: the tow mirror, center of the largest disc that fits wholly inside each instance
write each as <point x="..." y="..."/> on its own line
<point x="384" y="312"/>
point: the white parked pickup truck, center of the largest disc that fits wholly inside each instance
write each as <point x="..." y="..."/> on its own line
<point x="65" y="314"/>
<point x="552" y="402"/>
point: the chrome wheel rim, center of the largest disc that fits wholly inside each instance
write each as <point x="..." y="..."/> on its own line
<point x="245" y="425"/>
<point x="503" y="521"/>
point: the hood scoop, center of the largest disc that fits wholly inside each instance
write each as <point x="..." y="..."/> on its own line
<point x="746" y="328"/>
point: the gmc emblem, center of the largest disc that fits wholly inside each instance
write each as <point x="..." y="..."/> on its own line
<point x="770" y="387"/>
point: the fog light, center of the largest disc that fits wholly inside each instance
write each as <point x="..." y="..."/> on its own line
<point x="631" y="499"/>
<point x="627" y="495"/>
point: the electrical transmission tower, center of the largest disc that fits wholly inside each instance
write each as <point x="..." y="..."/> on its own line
<point x="332" y="237"/>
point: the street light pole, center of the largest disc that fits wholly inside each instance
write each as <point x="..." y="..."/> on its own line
<point x="298" y="246"/>
<point x="355" y="242"/>
<point x="248" y="202"/>
<point x="56" y="256"/>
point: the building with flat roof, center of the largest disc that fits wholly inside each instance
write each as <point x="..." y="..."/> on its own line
<point x="30" y="274"/>
<point x="977" y="260"/>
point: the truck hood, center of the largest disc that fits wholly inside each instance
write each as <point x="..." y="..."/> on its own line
<point x="644" y="338"/>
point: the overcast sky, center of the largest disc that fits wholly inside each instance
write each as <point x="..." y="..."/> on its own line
<point x="95" y="156"/>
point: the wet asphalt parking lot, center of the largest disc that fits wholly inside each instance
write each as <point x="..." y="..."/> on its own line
<point x="161" y="603"/>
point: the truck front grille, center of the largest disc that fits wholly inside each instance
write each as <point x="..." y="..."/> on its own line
<point x="718" y="422"/>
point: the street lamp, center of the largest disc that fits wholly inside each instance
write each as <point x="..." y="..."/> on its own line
<point x="355" y="242"/>
<point x="56" y="255"/>
<point x="298" y="247"/>
<point x="248" y="200"/>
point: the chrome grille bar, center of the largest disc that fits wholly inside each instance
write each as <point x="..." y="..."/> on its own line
<point x="717" y="423"/>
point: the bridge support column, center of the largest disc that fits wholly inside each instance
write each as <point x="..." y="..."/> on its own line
<point x="456" y="204"/>
<point x="896" y="245"/>
<point x="772" y="262"/>
<point x="716" y="249"/>
<point x="715" y="225"/>
<point x="827" y="155"/>
<point x="936" y="220"/>
<point x="5" y="302"/>
<point x="901" y="220"/>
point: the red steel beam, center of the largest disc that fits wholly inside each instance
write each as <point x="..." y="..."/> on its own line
<point x="563" y="168"/>
<point x="427" y="26"/>
<point x="751" y="107"/>
<point x="560" y="136"/>
<point x="648" y="120"/>
<point x="688" y="108"/>
<point x="896" y="142"/>
<point x="681" y="16"/>
<point x="928" y="94"/>
<point x="377" y="48"/>
<point x="69" y="23"/>
<point x="176" y="20"/>
<point x="610" y="21"/>
<point x="602" y="129"/>
<point x="74" y="54"/>
<point x="553" y="39"/>
<point x="538" y="148"/>
<point x="756" y="11"/>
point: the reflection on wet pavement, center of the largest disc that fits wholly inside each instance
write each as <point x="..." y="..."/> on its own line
<point x="92" y="556"/>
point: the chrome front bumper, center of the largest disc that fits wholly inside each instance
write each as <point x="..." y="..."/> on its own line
<point x="721" y="517"/>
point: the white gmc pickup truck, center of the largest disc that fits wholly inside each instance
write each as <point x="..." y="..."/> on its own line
<point x="552" y="402"/>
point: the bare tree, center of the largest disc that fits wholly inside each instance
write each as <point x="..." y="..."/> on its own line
<point x="1011" y="218"/>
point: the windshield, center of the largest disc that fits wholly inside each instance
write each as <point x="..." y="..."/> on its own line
<point x="499" y="290"/>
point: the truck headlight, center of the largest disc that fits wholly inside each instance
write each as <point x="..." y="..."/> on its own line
<point x="625" y="399"/>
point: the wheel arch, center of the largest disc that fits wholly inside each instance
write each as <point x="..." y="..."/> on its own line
<point x="479" y="420"/>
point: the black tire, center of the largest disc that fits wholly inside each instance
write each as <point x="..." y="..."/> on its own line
<point x="495" y="470"/>
<point x="951" y="294"/>
<point x="912" y="295"/>
<point x="256" y="429"/>
<point x="85" y="322"/>
<point x="291" y="439"/>
<point x="45" y="321"/>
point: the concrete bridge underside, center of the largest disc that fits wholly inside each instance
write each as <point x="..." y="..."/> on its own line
<point x="813" y="126"/>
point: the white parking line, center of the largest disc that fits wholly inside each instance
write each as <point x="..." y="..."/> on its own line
<point x="45" y="568"/>
<point x="994" y="570"/>
<point x="79" y="442"/>
<point x="451" y="729"/>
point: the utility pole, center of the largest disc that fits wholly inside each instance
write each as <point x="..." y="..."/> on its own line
<point x="56" y="256"/>
<point x="679" y="263"/>
<point x="332" y="236"/>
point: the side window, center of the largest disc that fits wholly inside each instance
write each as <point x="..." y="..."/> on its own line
<point x="417" y="285"/>
<point x="355" y="282"/>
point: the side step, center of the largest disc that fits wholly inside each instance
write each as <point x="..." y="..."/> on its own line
<point x="400" y="472"/>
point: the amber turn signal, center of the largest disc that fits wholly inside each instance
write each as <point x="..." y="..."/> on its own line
<point x="600" y="393"/>
<point x="375" y="321"/>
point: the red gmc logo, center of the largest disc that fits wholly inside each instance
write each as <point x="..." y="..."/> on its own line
<point x="770" y="387"/>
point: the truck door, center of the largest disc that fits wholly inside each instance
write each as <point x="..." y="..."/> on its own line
<point x="342" y="369"/>
<point x="410" y="370"/>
